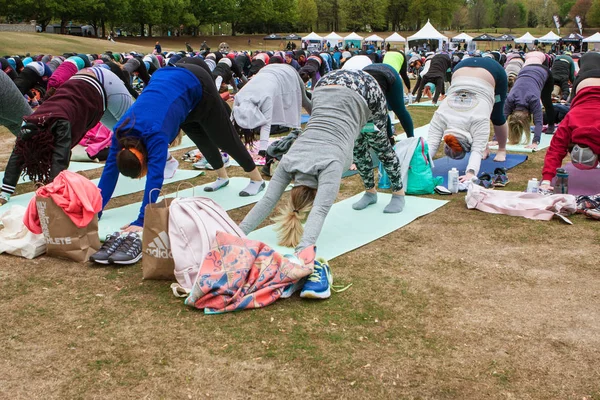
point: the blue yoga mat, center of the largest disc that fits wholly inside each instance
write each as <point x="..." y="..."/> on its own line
<point x="304" y="118"/>
<point x="445" y="164"/>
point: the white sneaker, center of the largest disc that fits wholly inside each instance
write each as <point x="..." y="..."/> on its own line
<point x="202" y="164"/>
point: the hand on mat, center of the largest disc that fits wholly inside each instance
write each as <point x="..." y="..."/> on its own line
<point x="131" y="228"/>
<point x="546" y="187"/>
<point x="533" y="146"/>
<point x="493" y="143"/>
<point x="353" y="167"/>
<point x="466" y="177"/>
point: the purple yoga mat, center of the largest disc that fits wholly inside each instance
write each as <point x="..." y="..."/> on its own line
<point x="583" y="182"/>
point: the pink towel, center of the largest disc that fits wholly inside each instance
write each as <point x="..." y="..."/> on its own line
<point x="96" y="139"/>
<point x="519" y="204"/>
<point x="78" y="197"/>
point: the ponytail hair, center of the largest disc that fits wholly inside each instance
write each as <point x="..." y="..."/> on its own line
<point x="518" y="123"/>
<point x="132" y="158"/>
<point x="289" y="221"/>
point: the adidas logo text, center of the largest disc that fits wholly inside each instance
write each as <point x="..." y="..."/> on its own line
<point x="160" y="247"/>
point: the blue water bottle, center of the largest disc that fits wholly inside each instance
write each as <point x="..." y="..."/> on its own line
<point x="384" y="179"/>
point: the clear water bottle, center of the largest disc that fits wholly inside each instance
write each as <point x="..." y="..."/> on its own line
<point x="533" y="185"/>
<point x="562" y="181"/>
<point x="384" y="179"/>
<point x="453" y="180"/>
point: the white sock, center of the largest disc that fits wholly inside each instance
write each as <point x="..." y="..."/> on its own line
<point x="171" y="167"/>
<point x="216" y="185"/>
<point x="253" y="188"/>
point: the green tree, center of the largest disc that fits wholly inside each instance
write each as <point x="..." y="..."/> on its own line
<point x="581" y="8"/>
<point x="329" y="15"/>
<point x="460" y="18"/>
<point x="513" y="15"/>
<point x="480" y="13"/>
<point x="307" y="9"/>
<point x="397" y="13"/>
<point x="593" y="14"/>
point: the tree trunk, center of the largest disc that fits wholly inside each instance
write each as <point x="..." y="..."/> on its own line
<point x="62" y="26"/>
<point x="149" y="30"/>
<point x="103" y="23"/>
<point x="142" y="30"/>
<point x="233" y="30"/>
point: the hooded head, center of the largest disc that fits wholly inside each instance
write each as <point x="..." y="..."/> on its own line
<point x="457" y="143"/>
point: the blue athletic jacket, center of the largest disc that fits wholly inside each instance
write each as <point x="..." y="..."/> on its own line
<point x="155" y="117"/>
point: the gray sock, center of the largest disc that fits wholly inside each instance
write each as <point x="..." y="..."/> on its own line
<point x="253" y="188"/>
<point x="216" y="185"/>
<point x="367" y="199"/>
<point x="396" y="205"/>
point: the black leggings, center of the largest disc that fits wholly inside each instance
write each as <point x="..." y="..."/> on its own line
<point x="209" y="125"/>
<point x="438" y="81"/>
<point x="563" y="83"/>
<point x="546" y="97"/>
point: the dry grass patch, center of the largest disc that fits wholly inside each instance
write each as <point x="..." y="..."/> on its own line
<point x="458" y="304"/>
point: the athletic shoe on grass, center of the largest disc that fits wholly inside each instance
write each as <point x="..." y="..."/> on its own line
<point x="129" y="250"/>
<point x="107" y="249"/>
<point x="318" y="285"/>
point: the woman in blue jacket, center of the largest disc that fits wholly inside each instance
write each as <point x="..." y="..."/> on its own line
<point x="182" y="97"/>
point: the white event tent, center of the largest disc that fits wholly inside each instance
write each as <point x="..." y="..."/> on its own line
<point x="428" y="32"/>
<point x="549" y="37"/>
<point x="527" y="38"/>
<point x="334" y="39"/>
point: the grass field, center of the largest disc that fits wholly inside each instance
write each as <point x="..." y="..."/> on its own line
<point x="456" y="305"/>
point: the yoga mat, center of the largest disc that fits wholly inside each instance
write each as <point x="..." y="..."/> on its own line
<point x="74" y="166"/>
<point x="124" y="187"/>
<point x="445" y="164"/>
<point x="112" y="220"/>
<point x="304" y="118"/>
<point x="583" y="182"/>
<point x="77" y="166"/>
<point x="520" y="148"/>
<point x="346" y="229"/>
<point x="421" y="131"/>
<point x="423" y="104"/>
<point x="186" y="143"/>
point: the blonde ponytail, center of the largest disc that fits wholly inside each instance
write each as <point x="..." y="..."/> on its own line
<point x="518" y="123"/>
<point x="289" y="221"/>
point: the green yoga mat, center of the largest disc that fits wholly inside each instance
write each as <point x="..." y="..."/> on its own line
<point x="520" y="148"/>
<point x="346" y="229"/>
<point x="75" y="166"/>
<point x="423" y="104"/>
<point x="112" y="220"/>
<point x="124" y="187"/>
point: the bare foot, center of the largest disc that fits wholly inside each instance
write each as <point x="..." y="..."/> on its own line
<point x="353" y="167"/>
<point x="500" y="156"/>
<point x="493" y="143"/>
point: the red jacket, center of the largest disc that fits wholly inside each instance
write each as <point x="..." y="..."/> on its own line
<point x="580" y="126"/>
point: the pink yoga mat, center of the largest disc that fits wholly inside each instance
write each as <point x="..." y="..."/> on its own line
<point x="583" y="182"/>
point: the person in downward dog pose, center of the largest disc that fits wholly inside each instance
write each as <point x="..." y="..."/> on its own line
<point x="579" y="131"/>
<point x="183" y="97"/>
<point x="274" y="96"/>
<point x="43" y="147"/>
<point x="534" y="84"/>
<point x="462" y="122"/>
<point x="343" y="101"/>
<point x="440" y="63"/>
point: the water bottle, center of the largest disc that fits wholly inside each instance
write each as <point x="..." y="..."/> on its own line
<point x="533" y="185"/>
<point x="453" y="180"/>
<point x="384" y="179"/>
<point x="562" y="182"/>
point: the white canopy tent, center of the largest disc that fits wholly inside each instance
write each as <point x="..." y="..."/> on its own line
<point x="527" y="38"/>
<point x="428" y="32"/>
<point x="334" y="39"/>
<point x="595" y="38"/>
<point x="312" y="36"/>
<point x="395" y="38"/>
<point x="463" y="37"/>
<point x="373" y="38"/>
<point x="354" y="40"/>
<point x="549" y="37"/>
